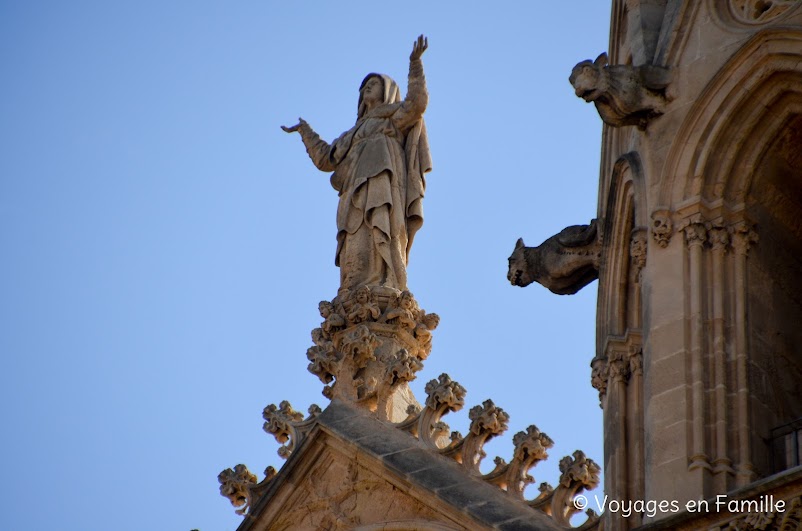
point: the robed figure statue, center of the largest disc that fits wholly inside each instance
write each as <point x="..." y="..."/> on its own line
<point x="379" y="166"/>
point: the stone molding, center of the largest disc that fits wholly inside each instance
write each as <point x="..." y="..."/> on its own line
<point x="623" y="358"/>
<point x="577" y="472"/>
<point x="698" y="229"/>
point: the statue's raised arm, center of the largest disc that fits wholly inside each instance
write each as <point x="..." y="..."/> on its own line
<point x="379" y="166"/>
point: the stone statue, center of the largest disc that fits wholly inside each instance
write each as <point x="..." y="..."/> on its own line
<point x="564" y="263"/>
<point x="379" y="166"/>
<point x="623" y="94"/>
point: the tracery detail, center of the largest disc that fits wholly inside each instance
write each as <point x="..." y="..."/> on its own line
<point x="759" y="11"/>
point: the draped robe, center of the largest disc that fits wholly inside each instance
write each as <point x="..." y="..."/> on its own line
<point x="379" y="166"/>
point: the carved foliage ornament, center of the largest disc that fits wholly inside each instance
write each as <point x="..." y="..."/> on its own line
<point x="288" y="425"/>
<point x="234" y="486"/>
<point x="289" y="428"/>
<point x="695" y="231"/>
<point x="487" y="421"/>
<point x="347" y="354"/>
<point x="618" y="365"/>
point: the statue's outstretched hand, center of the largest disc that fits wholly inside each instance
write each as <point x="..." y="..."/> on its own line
<point x="294" y="128"/>
<point x="419" y="47"/>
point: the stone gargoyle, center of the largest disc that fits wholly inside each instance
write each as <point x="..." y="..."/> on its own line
<point x="564" y="263"/>
<point x="623" y="94"/>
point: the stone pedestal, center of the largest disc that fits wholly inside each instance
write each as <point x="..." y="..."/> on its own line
<point x="371" y="342"/>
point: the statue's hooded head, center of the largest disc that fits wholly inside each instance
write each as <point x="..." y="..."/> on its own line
<point x="392" y="94"/>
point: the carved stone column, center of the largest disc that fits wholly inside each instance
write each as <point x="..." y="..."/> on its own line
<point x="636" y="461"/>
<point x="722" y="464"/>
<point x="618" y="367"/>
<point x="742" y="238"/>
<point x="695" y="236"/>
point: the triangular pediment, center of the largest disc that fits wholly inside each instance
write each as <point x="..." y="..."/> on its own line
<point x="353" y="471"/>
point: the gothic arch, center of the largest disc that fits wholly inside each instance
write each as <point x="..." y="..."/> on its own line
<point x="736" y="165"/>
<point x="617" y="369"/>
<point x="751" y="98"/>
<point x="623" y="214"/>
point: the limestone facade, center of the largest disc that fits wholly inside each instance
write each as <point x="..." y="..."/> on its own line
<point x="699" y="345"/>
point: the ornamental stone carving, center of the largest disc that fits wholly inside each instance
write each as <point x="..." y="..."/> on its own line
<point x="579" y="470"/>
<point x="623" y="94"/>
<point x="636" y="360"/>
<point x="487" y="421"/>
<point x="695" y="231"/>
<point x="402" y="368"/>
<point x="444" y="394"/>
<point x="371" y="342"/>
<point x="235" y="485"/>
<point x="759" y="11"/>
<point x="379" y="166"/>
<point x="662" y="227"/>
<point x="637" y="251"/>
<point x="719" y="237"/>
<point x="287" y="425"/>
<point x="622" y="359"/>
<point x="617" y="366"/>
<point x="599" y="374"/>
<point x="564" y="263"/>
<point x="578" y="473"/>
<point x="373" y="336"/>
<point x="743" y="237"/>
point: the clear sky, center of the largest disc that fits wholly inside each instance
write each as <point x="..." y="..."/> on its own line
<point x="165" y="244"/>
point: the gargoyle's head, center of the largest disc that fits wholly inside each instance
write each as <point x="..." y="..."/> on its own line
<point x="588" y="78"/>
<point x="519" y="272"/>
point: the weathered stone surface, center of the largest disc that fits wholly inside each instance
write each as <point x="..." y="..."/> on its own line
<point x="379" y="166"/>
<point x="564" y="263"/>
<point x="371" y="343"/>
<point x="354" y="470"/>
<point x="623" y="94"/>
<point x="698" y="356"/>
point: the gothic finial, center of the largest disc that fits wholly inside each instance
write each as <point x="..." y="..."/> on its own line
<point x="235" y="485"/>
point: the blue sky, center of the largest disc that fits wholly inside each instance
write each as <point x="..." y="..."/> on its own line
<point x="165" y="244"/>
